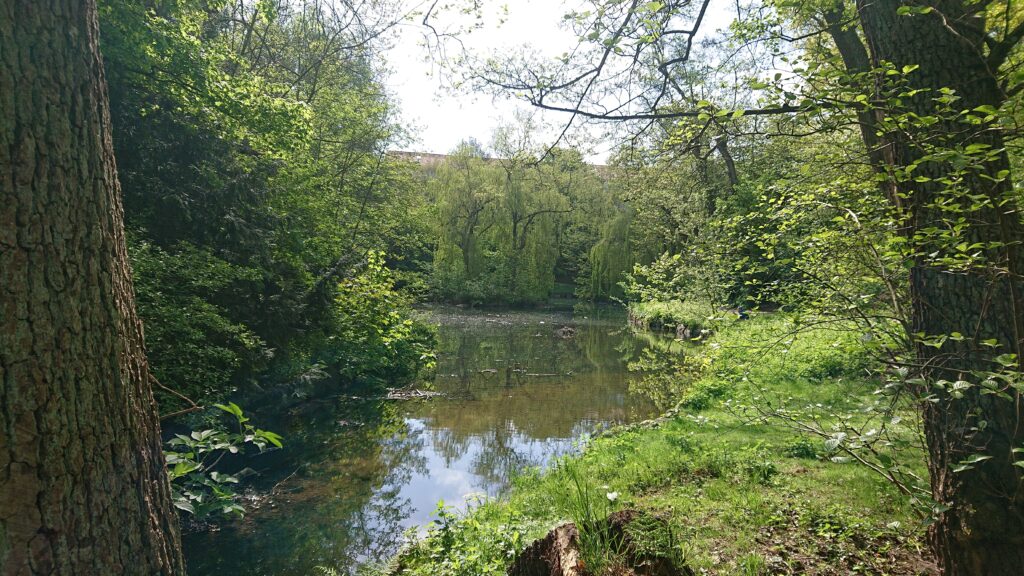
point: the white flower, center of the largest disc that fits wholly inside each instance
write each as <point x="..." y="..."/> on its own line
<point x="612" y="496"/>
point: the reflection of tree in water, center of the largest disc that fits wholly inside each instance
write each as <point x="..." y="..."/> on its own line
<point x="663" y="371"/>
<point x="541" y="409"/>
<point x="343" y="505"/>
<point x="498" y="453"/>
<point x="499" y="457"/>
<point x="377" y="527"/>
<point x="351" y="460"/>
<point x="517" y="394"/>
<point x="449" y="445"/>
<point x="465" y="352"/>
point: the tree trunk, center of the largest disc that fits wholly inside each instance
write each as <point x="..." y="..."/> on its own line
<point x="983" y="530"/>
<point x="856" y="61"/>
<point x="83" y="489"/>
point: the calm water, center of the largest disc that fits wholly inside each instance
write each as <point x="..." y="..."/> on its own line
<point x="356" y="474"/>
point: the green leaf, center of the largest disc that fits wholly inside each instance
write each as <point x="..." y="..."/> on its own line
<point x="271" y="437"/>
<point x="184" y="504"/>
<point x="231" y="408"/>
<point x="968" y="463"/>
<point x="1007" y="360"/>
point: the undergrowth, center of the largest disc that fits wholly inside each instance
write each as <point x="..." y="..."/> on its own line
<point x="668" y="314"/>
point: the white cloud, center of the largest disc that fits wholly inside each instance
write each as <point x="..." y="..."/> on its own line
<point x="441" y="117"/>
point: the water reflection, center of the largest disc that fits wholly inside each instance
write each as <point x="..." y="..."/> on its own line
<point x="355" y="475"/>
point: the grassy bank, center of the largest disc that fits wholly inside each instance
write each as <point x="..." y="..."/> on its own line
<point x="674" y="316"/>
<point x="731" y="492"/>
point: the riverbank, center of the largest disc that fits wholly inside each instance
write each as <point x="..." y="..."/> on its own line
<point x="510" y="390"/>
<point x="731" y="492"/>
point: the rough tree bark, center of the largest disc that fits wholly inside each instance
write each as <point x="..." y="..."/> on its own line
<point x="83" y="488"/>
<point x="856" y="61"/>
<point x="983" y="530"/>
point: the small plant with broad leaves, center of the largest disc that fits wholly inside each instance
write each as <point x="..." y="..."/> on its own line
<point x="466" y="543"/>
<point x="197" y="487"/>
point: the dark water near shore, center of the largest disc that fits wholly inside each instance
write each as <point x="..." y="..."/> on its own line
<point x="356" y="474"/>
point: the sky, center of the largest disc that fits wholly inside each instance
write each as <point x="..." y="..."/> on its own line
<point x="441" y="118"/>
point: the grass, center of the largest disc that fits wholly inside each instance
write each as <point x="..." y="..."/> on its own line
<point x="737" y="495"/>
<point x="670" y="314"/>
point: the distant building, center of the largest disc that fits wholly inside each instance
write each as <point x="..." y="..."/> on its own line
<point x="430" y="161"/>
<point x="424" y="159"/>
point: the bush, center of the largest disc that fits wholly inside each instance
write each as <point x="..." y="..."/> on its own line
<point x="703" y="394"/>
<point x="461" y="545"/>
<point x="778" y="347"/>
<point x="801" y="448"/>
<point x="373" y="339"/>
<point x="193" y="345"/>
<point x="670" y="314"/>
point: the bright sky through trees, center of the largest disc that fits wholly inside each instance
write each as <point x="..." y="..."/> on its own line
<point x="442" y="117"/>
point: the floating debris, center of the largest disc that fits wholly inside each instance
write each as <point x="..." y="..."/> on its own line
<point x="565" y="332"/>
<point x="401" y="394"/>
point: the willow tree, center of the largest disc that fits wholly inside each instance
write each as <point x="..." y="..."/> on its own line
<point x="83" y="485"/>
<point x="612" y="256"/>
<point x="929" y="82"/>
<point x="536" y="195"/>
<point x="465" y="189"/>
<point x="499" y="222"/>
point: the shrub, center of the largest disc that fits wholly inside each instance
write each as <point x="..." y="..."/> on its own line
<point x="193" y="345"/>
<point x="670" y="314"/>
<point x="801" y="448"/>
<point x="460" y="544"/>
<point x="373" y="340"/>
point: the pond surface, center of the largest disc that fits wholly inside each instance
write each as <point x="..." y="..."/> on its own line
<point x="355" y="474"/>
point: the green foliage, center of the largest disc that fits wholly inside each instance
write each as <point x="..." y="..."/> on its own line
<point x="250" y="142"/>
<point x="588" y="507"/>
<point x="792" y="348"/>
<point x="373" y="341"/>
<point x="463" y="545"/>
<point x="197" y="487"/>
<point x="718" y="480"/>
<point x="611" y="256"/>
<point x="191" y="340"/>
<point x="509" y="228"/>
<point x="671" y="314"/>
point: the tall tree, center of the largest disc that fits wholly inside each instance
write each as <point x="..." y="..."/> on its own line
<point x="83" y="486"/>
<point x="983" y="530"/>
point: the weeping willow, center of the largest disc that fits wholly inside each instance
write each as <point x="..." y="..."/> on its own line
<point x="506" y="227"/>
<point x="612" y="256"/>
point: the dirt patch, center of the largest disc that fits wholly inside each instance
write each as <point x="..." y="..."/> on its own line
<point x="793" y="549"/>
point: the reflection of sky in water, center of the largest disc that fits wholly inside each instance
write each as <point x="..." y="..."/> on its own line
<point x="453" y="480"/>
<point x="515" y="396"/>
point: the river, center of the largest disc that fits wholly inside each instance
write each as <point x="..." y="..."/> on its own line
<point x="356" y="474"/>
